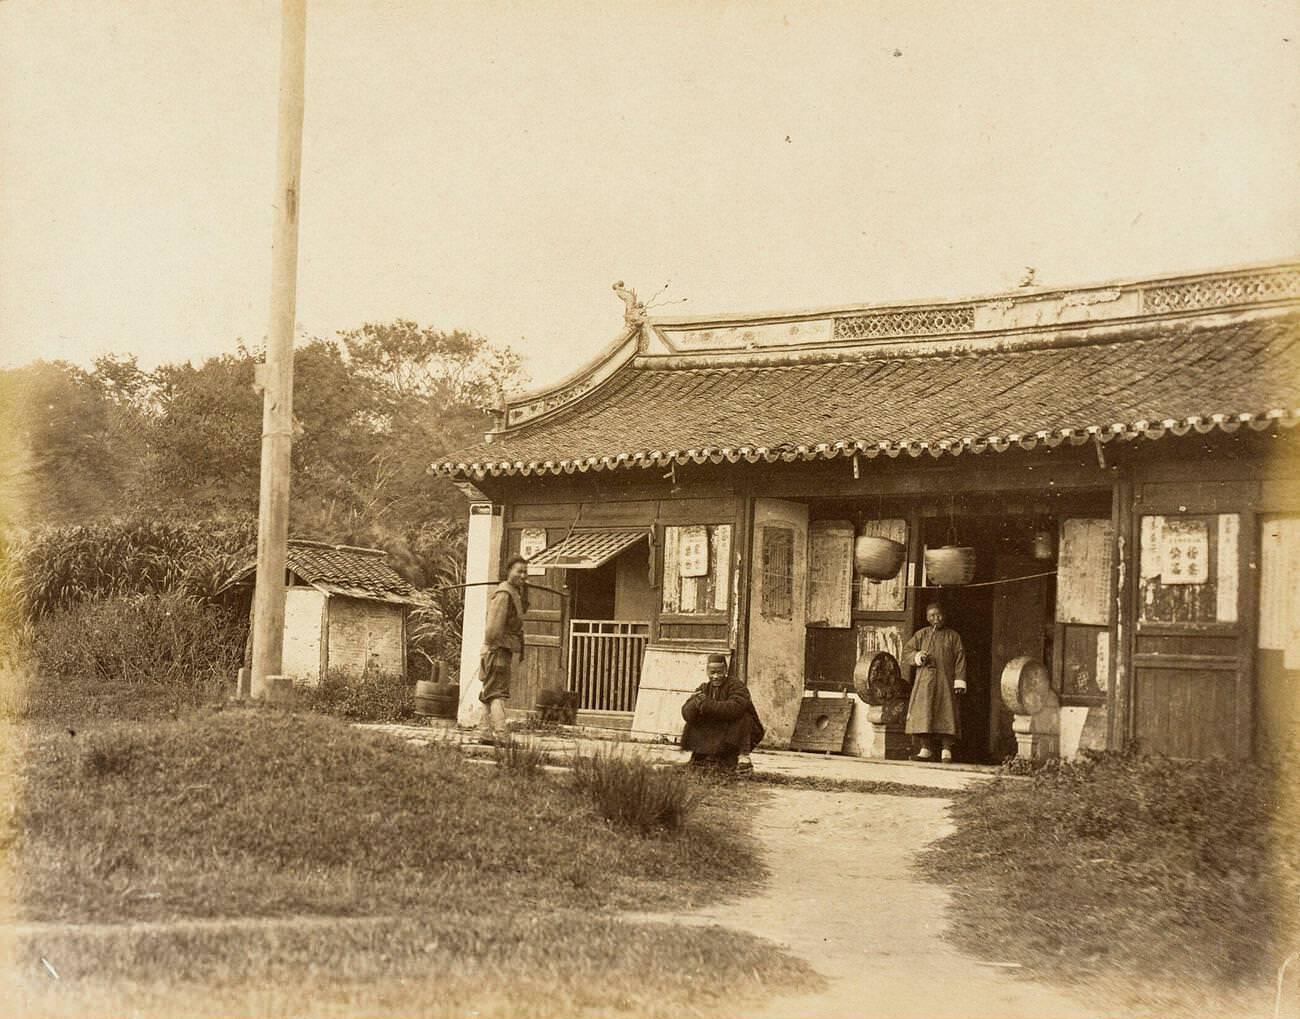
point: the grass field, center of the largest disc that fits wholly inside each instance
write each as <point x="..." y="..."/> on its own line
<point x="1174" y="886"/>
<point x="261" y="862"/>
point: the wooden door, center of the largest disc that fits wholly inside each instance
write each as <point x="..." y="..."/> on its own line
<point x="1191" y="688"/>
<point x="778" y="614"/>
<point x="544" y="627"/>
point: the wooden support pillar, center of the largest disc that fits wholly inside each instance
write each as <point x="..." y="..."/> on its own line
<point x="277" y="374"/>
<point x="1123" y="615"/>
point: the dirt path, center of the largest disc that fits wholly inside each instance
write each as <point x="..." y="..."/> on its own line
<point x="843" y="895"/>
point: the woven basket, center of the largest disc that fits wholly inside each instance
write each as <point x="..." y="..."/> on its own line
<point x="878" y="558"/>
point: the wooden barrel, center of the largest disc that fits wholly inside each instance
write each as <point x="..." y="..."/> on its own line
<point x="877" y="558"/>
<point x="1026" y="685"/>
<point x="877" y="678"/>
<point x="437" y="700"/>
<point x="950" y="565"/>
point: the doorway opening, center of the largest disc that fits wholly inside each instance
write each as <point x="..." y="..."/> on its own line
<point x="1006" y="611"/>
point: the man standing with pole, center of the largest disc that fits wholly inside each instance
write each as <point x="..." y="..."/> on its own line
<point x="277" y="373"/>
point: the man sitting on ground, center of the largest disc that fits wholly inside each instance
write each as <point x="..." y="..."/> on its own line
<point x="722" y="726"/>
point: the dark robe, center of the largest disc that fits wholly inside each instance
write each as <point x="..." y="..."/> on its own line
<point x="931" y="708"/>
<point x="721" y="720"/>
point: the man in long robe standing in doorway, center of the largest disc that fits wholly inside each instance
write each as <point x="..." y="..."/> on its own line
<point x="935" y="654"/>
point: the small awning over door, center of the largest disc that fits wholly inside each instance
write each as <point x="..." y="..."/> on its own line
<point x="587" y="550"/>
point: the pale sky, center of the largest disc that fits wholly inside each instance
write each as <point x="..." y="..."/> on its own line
<point x="496" y="166"/>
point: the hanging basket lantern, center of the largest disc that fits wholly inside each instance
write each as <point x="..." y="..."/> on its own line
<point x="878" y="558"/>
<point x="950" y="566"/>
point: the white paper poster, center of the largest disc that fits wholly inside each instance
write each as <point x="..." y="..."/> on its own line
<point x="532" y="541"/>
<point x="1185" y="551"/>
<point x="1226" y="576"/>
<point x="1151" y="544"/>
<point x="693" y="552"/>
<point x="1103" y="659"/>
<point x="1279" y="588"/>
<point x="722" y="561"/>
<point x="1083" y="572"/>
<point x="1273" y="569"/>
<point x="830" y="573"/>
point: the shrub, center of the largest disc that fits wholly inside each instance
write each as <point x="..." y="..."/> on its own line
<point x="59" y="567"/>
<point x="371" y="697"/>
<point x="166" y="640"/>
<point x="1134" y="862"/>
<point x="629" y="790"/>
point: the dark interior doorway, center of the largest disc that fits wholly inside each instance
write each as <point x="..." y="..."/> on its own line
<point x="592" y="592"/>
<point x="999" y="616"/>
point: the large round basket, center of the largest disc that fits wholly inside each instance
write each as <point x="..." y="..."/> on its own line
<point x="877" y="558"/>
<point x="876" y="678"/>
<point x="1026" y="685"/>
<point x="950" y="565"/>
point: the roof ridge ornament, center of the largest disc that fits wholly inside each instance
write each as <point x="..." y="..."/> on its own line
<point x="634" y="310"/>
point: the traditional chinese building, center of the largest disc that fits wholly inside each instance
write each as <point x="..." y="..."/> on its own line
<point x="1118" y="457"/>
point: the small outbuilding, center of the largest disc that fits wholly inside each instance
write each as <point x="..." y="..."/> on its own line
<point x="345" y="609"/>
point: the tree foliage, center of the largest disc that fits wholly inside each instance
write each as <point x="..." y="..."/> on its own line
<point x="373" y="407"/>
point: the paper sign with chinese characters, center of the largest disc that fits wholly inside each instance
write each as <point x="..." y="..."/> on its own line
<point x="693" y="552"/>
<point x="532" y="540"/>
<point x="1185" y="552"/>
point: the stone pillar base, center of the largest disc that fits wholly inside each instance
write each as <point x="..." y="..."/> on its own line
<point x="887" y="739"/>
<point x="1034" y="745"/>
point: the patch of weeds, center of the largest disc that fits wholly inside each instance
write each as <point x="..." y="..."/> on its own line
<point x="170" y="641"/>
<point x="371" y="697"/>
<point x="107" y="756"/>
<point x="629" y="790"/>
<point x="520" y="755"/>
<point x="1118" y="867"/>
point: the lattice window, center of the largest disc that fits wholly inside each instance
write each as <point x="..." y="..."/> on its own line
<point x="1222" y="291"/>
<point x="912" y="322"/>
<point x="778" y="572"/>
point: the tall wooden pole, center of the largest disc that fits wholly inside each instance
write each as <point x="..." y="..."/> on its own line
<point x="277" y="377"/>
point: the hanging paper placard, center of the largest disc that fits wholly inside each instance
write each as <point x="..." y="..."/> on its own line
<point x="1185" y="551"/>
<point x="830" y="573"/>
<point x="693" y="552"/>
<point x="1083" y="572"/>
<point x="532" y="541"/>
<point x="1226" y="592"/>
<point x="722" y="566"/>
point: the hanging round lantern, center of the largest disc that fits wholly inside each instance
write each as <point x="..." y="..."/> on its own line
<point x="950" y="566"/>
<point x="878" y="558"/>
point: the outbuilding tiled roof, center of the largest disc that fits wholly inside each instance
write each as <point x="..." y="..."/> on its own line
<point x="1161" y="377"/>
<point x="345" y="570"/>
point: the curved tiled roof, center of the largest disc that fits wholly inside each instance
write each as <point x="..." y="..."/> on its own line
<point x="1171" y="375"/>
<point x="345" y="570"/>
